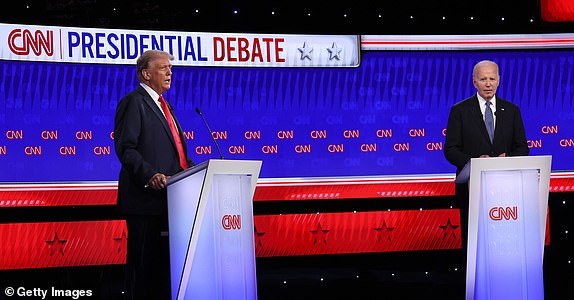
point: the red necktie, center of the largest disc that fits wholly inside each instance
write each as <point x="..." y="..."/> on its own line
<point x="174" y="132"/>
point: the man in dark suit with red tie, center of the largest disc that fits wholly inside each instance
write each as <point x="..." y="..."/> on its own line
<point x="467" y="133"/>
<point x="150" y="145"/>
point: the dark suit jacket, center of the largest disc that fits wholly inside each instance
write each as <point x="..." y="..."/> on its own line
<point x="145" y="146"/>
<point x="466" y="135"/>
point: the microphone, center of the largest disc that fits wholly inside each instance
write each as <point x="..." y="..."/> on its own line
<point x="210" y="132"/>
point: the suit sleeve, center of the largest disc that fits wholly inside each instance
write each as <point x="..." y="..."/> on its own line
<point x="519" y="143"/>
<point x="453" y="147"/>
<point x="127" y="130"/>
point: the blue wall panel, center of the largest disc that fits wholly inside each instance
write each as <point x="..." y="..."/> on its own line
<point x="385" y="117"/>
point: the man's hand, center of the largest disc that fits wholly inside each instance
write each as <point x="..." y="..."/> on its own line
<point x="501" y="155"/>
<point x="158" y="181"/>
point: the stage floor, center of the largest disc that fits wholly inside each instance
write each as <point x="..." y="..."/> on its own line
<point x="404" y="275"/>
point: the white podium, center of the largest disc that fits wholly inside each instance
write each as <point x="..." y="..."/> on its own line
<point x="212" y="247"/>
<point x="506" y="227"/>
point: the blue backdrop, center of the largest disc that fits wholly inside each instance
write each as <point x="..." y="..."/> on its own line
<point x="386" y="117"/>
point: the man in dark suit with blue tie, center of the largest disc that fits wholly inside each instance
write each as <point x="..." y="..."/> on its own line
<point x="468" y="136"/>
<point x="150" y="145"/>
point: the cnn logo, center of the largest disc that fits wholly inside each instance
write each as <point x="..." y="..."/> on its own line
<point x="21" y="42"/>
<point x="230" y="222"/>
<point x="503" y="213"/>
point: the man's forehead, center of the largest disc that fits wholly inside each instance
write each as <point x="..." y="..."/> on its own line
<point x="486" y="72"/>
<point x="162" y="62"/>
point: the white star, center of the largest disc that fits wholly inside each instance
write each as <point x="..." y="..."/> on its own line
<point x="305" y="51"/>
<point x="334" y="52"/>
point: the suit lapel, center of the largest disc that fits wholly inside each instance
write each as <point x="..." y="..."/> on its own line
<point x="157" y="112"/>
<point x="500" y="118"/>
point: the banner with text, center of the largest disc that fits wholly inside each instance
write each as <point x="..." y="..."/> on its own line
<point x="115" y="46"/>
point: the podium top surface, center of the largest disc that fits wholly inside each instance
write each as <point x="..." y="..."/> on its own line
<point x="511" y="162"/>
<point x="220" y="166"/>
<point x="503" y="163"/>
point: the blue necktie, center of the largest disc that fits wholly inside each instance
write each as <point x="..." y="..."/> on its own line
<point x="489" y="120"/>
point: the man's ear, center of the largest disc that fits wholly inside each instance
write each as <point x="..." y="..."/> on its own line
<point x="145" y="74"/>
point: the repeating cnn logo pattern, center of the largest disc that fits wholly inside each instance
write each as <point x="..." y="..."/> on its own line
<point x="231" y="222"/>
<point x="503" y="213"/>
<point x="22" y="41"/>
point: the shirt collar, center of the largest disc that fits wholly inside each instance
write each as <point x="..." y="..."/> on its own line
<point x="483" y="101"/>
<point x="150" y="91"/>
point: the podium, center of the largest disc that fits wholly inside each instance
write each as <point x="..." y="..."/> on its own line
<point x="211" y="231"/>
<point x="506" y="227"/>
